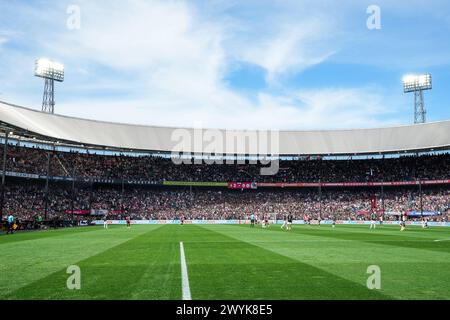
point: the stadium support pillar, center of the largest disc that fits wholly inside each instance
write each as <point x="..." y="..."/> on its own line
<point x="320" y="189"/>
<point x="91" y="192"/>
<point x="382" y="200"/>
<point x="73" y="192"/>
<point x="123" y="186"/>
<point x="320" y="199"/>
<point x="421" y="198"/>
<point x="122" y="194"/>
<point x="5" y="150"/>
<point x="46" y="186"/>
<point x="49" y="157"/>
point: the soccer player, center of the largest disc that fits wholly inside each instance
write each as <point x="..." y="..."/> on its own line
<point x="266" y="220"/>
<point x="289" y="221"/>
<point x="182" y="220"/>
<point x="252" y="220"/>
<point x="105" y="223"/>
<point x="424" y="223"/>
<point x="284" y="225"/>
<point x="402" y="222"/>
<point x="373" y="221"/>
<point x="128" y="222"/>
<point x="10" y="221"/>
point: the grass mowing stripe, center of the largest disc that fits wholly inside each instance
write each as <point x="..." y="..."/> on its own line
<point x="412" y="237"/>
<point x="226" y="262"/>
<point x="41" y="234"/>
<point x="407" y="273"/>
<point x="393" y="232"/>
<point x="361" y="233"/>
<point x="222" y="267"/>
<point x="135" y="269"/>
<point x="186" y="294"/>
<point x="160" y="278"/>
<point x="28" y="262"/>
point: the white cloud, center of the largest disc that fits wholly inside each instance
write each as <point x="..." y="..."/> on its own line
<point x="312" y="109"/>
<point x="6" y="36"/>
<point x="347" y="108"/>
<point x="295" y="47"/>
<point x="163" y="63"/>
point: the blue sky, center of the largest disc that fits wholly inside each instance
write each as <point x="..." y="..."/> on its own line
<point x="230" y="64"/>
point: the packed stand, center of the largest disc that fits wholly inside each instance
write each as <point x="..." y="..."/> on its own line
<point x="159" y="169"/>
<point x="26" y="201"/>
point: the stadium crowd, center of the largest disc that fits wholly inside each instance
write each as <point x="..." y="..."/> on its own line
<point x="27" y="202"/>
<point x="158" y="169"/>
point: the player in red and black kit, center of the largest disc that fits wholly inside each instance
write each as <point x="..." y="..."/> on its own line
<point x="290" y="217"/>
<point x="307" y="220"/>
<point x="128" y="222"/>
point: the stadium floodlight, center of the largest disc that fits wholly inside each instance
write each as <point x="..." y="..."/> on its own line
<point x="51" y="71"/>
<point x="417" y="84"/>
<point x="413" y="83"/>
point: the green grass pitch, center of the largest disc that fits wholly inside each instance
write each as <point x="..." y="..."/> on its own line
<point x="227" y="262"/>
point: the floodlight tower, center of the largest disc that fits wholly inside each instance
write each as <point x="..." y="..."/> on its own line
<point x="418" y="84"/>
<point x="51" y="71"/>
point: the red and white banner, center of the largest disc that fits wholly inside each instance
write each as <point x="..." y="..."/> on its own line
<point x="78" y="212"/>
<point x="242" y="185"/>
<point x="116" y="212"/>
<point x="351" y="184"/>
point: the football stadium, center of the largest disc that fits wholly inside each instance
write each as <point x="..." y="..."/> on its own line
<point x="96" y="209"/>
<point x="76" y="189"/>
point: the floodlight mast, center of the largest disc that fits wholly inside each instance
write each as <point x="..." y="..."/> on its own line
<point x="48" y="100"/>
<point x="418" y="84"/>
<point x="51" y="71"/>
<point x="420" y="113"/>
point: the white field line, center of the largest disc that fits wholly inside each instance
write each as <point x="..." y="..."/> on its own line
<point x="442" y="240"/>
<point x="186" y="291"/>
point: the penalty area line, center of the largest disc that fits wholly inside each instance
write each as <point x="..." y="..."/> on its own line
<point x="186" y="291"/>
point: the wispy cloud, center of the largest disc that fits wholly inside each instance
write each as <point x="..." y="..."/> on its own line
<point x="3" y="39"/>
<point x="293" y="48"/>
<point x="164" y="63"/>
<point x="312" y="109"/>
<point x="5" y="36"/>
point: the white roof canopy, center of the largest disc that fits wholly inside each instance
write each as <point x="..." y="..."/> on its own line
<point x="419" y="137"/>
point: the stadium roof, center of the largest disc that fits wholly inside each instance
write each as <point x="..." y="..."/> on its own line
<point x="31" y="124"/>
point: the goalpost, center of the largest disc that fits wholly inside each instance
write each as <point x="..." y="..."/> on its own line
<point x="273" y="218"/>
